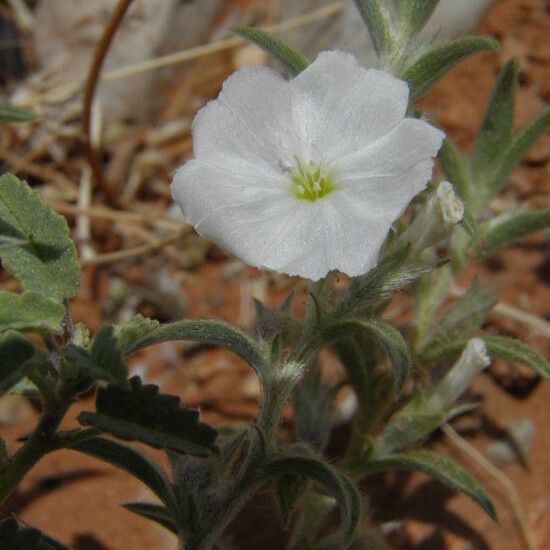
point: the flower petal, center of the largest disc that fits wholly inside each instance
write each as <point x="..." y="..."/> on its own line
<point x="250" y="120"/>
<point x="389" y="173"/>
<point x="339" y="106"/>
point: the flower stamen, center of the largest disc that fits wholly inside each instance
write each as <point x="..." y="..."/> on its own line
<point x="310" y="182"/>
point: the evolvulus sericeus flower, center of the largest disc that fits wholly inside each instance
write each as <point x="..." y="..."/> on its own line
<point x="306" y="176"/>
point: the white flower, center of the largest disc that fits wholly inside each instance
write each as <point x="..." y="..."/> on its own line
<point x="305" y="176"/>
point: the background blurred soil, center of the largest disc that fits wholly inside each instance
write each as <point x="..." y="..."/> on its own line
<point x="77" y="499"/>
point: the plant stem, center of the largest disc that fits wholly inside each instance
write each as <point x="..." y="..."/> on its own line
<point x="31" y="452"/>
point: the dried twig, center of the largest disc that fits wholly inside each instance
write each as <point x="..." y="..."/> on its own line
<point x="91" y="84"/>
<point x="506" y="483"/>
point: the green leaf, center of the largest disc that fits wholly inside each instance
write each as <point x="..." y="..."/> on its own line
<point x="496" y="129"/>
<point x="332" y="481"/>
<point x="9" y="113"/>
<point x="294" y="61"/>
<point x="521" y="143"/>
<point x="386" y="335"/>
<point x="414" y="14"/>
<point x="393" y="272"/>
<point x="15" y="353"/>
<point x="289" y="488"/>
<point x="47" y="263"/>
<point x="128" y="333"/>
<point x="514" y="350"/>
<point x="440" y="59"/>
<point x="31" y="312"/>
<point x="505" y="229"/>
<point x="209" y="332"/>
<point x="408" y="426"/>
<point x="17" y="537"/>
<point x="497" y="346"/>
<point x="444" y="470"/>
<point x="469" y="311"/>
<point x="144" y="415"/>
<point x="378" y="23"/>
<point x="135" y="463"/>
<point x="154" y="512"/>
<point x="455" y="169"/>
<point x="103" y="362"/>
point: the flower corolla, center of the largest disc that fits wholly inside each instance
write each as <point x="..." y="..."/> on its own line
<point x="306" y="176"/>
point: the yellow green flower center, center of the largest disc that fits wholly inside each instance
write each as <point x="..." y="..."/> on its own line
<point x="310" y="182"/>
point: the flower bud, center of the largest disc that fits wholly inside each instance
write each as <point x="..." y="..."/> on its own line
<point x="472" y="361"/>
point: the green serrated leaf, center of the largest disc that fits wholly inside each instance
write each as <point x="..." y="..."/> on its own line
<point x="332" y="481"/>
<point x="210" y="332"/>
<point x="423" y="73"/>
<point x="47" y="263"/>
<point x="9" y="113"/>
<point x="444" y="470"/>
<point x="30" y="312"/>
<point x="521" y="143"/>
<point x="134" y="462"/>
<point x="294" y="61"/>
<point x="15" y="355"/>
<point x="153" y="512"/>
<point x="504" y="230"/>
<point x="455" y="169"/>
<point x="414" y="14"/>
<point x="496" y="129"/>
<point x="128" y="333"/>
<point x="143" y="414"/>
<point x="378" y="23"/>
<point x="514" y="350"/>
<point x="14" y="536"/>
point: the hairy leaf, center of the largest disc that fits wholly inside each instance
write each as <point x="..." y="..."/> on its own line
<point x="154" y="512"/>
<point x="378" y="23"/>
<point x="509" y="227"/>
<point x="14" y="536"/>
<point x="455" y="169"/>
<point x="332" y="481"/>
<point x="394" y="271"/>
<point x="294" y="61"/>
<point x="444" y="470"/>
<point x="440" y="59"/>
<point x="134" y="462"/>
<point x="496" y="129"/>
<point x="289" y="488"/>
<point x="415" y="13"/>
<point x="514" y="350"/>
<point x="9" y="113"/>
<point x="469" y="311"/>
<point x="521" y="143"/>
<point x="47" y="263"/>
<point x="31" y="312"/>
<point x="209" y="332"/>
<point x="128" y="333"/>
<point x="385" y="334"/>
<point x="15" y="354"/>
<point x="143" y="414"/>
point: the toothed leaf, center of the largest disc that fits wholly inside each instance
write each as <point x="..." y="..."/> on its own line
<point x="143" y="414"/>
